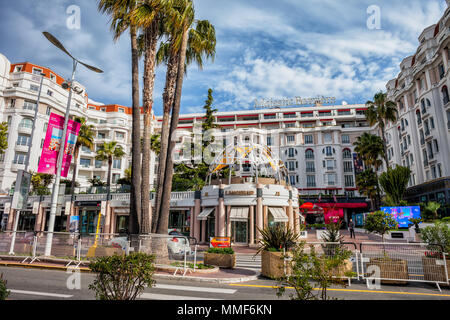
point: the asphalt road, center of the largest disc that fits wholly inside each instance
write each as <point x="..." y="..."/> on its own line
<point x="35" y="284"/>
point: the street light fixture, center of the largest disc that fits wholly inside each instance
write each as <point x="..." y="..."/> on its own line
<point x="70" y="86"/>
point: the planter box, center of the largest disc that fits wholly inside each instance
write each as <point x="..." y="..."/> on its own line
<point x="63" y="251"/>
<point x="103" y="252"/>
<point x="434" y="270"/>
<point x="227" y="261"/>
<point x="272" y="264"/>
<point x="391" y="269"/>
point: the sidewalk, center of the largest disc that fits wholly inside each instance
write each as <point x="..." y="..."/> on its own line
<point x="221" y="276"/>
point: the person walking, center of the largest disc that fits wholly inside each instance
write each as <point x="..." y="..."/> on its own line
<point x="351" y="228"/>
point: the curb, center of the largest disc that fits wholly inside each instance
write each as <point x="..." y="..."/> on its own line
<point x="157" y="276"/>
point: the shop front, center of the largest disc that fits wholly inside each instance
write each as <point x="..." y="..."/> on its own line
<point x="89" y="214"/>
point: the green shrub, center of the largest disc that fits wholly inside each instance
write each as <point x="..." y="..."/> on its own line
<point x="122" y="277"/>
<point x="313" y="270"/>
<point x="4" y="293"/>
<point x="221" y="250"/>
<point x="446" y="219"/>
<point x="277" y="237"/>
<point x="437" y="234"/>
<point x="380" y="222"/>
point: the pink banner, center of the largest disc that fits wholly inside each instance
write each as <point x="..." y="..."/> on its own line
<point x="52" y="145"/>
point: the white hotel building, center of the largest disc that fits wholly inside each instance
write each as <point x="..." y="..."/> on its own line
<point x="420" y="139"/>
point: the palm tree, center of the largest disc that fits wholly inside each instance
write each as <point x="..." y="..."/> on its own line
<point x="394" y="183"/>
<point x="367" y="184"/>
<point x="187" y="44"/>
<point x="370" y="149"/>
<point x="151" y="17"/>
<point x="380" y="111"/>
<point x="433" y="207"/>
<point x="107" y="152"/>
<point x="121" y="20"/>
<point x="85" y="139"/>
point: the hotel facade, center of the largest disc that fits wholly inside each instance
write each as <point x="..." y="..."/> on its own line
<point x="420" y="138"/>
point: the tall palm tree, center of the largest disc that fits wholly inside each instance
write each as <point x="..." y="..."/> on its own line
<point x="370" y="149"/>
<point x="190" y="41"/>
<point x="150" y="15"/>
<point x="121" y="20"/>
<point x="367" y="183"/>
<point x="109" y="151"/>
<point x="85" y="139"/>
<point x="380" y="111"/>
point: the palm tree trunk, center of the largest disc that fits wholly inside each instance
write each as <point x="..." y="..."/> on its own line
<point x="74" y="176"/>
<point x="149" y="82"/>
<point x="383" y="137"/>
<point x="135" y="197"/>
<point x="163" y="223"/>
<point x="168" y="98"/>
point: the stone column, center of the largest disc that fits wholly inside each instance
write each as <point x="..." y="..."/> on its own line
<point x="259" y="211"/>
<point x="196" y="212"/>
<point x="266" y="216"/>
<point x="228" y="221"/>
<point x="10" y="224"/>
<point x="203" y="233"/>
<point x="251" y="223"/>
<point x="108" y="213"/>
<point x="221" y="213"/>
<point x="297" y="220"/>
<point x="290" y="212"/>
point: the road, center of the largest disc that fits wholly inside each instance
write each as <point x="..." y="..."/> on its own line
<point x="35" y="284"/>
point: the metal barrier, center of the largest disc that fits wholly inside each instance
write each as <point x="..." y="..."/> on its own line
<point x="23" y="245"/>
<point x="404" y="262"/>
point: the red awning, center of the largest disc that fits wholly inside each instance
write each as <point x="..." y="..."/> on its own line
<point x="343" y="205"/>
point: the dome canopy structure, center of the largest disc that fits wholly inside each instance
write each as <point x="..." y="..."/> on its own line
<point x="258" y="159"/>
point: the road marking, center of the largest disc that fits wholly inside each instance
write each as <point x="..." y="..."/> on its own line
<point x="35" y="293"/>
<point x="154" y="296"/>
<point x="350" y="290"/>
<point x="197" y="289"/>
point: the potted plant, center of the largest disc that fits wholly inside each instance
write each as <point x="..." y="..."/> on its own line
<point x="380" y="222"/>
<point x="220" y="257"/>
<point x="438" y="239"/>
<point x="275" y="244"/>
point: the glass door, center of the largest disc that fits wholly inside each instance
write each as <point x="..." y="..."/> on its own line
<point x="210" y="228"/>
<point x="89" y="221"/>
<point x="239" y="231"/>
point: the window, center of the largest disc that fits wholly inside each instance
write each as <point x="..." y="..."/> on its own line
<point x="345" y="139"/>
<point x="45" y="126"/>
<point x="86" y="149"/>
<point x="436" y="146"/>
<point x="26" y="123"/>
<point x="85" y="163"/>
<point x="330" y="179"/>
<point x="291" y="152"/>
<point x="120" y="135"/>
<point x="34" y="88"/>
<point x="12" y="104"/>
<point x="52" y="77"/>
<point x="98" y="164"/>
<point x="115" y="177"/>
<point x="348" y="166"/>
<point x="290" y="139"/>
<point x="432" y="122"/>
<point x="419" y="119"/>
<point x="349" y="182"/>
<point x="411" y="159"/>
<point x="42" y="143"/>
<point x="328" y="151"/>
<point x="48" y="111"/>
<point x="289" y="115"/>
<point x="330" y="165"/>
<point x="20" y="158"/>
<point x="441" y="71"/>
<point x="269" y="141"/>
<point x="292" y="179"/>
<point x="327" y="138"/>
<point x="309" y="154"/>
<point x="23" y="140"/>
<point x="30" y="105"/>
<point x="433" y="172"/>
<point x="270" y="116"/>
<point x="311" y="181"/>
<point x="117" y="163"/>
<point x="445" y="96"/>
<point x="290" y="125"/>
<point x="347" y="154"/>
<point x="50" y="93"/>
<point x="103" y="109"/>
<point x="439" y="167"/>
<point x="37" y="71"/>
<point x="9" y="120"/>
<point x="101" y="135"/>
<point x="309" y="139"/>
<point x="310" y="167"/>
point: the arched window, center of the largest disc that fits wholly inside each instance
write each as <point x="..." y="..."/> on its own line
<point x="347" y="154"/>
<point x="309" y="154"/>
<point x="26" y="123"/>
<point x="445" y="94"/>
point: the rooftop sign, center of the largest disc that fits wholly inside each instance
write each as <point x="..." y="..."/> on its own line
<point x="287" y="102"/>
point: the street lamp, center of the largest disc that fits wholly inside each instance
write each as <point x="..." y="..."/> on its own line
<point x="67" y="85"/>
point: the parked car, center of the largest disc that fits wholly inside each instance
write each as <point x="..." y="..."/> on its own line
<point x="178" y="244"/>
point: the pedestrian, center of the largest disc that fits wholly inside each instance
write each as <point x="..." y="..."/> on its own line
<point x="351" y="228"/>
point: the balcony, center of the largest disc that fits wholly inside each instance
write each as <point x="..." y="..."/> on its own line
<point x="25" y="129"/>
<point x="21" y="148"/>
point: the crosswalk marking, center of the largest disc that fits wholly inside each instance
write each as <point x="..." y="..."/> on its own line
<point x="196" y="289"/>
<point x="248" y="261"/>
<point x="155" y="296"/>
<point x="36" y="293"/>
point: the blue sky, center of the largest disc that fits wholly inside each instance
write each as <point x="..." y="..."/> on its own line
<point x="265" y="49"/>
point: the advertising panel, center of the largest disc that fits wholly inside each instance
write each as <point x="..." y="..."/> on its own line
<point x="52" y="145"/>
<point x="403" y="214"/>
<point x="220" y="242"/>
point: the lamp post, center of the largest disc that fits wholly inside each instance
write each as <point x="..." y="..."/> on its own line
<point x="27" y="163"/>
<point x="70" y="86"/>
